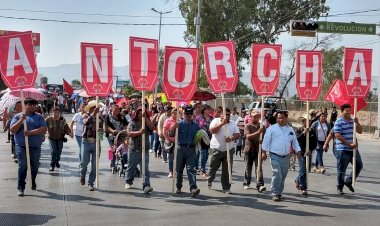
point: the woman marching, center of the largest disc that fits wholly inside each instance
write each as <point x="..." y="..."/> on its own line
<point x="57" y="129"/>
<point x="322" y="129"/>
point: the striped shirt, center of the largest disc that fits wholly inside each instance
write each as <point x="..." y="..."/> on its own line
<point x="346" y="129"/>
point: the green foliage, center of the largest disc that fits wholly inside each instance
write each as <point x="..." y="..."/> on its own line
<point x="128" y="90"/>
<point x="332" y="67"/>
<point x="246" y="21"/>
<point x="2" y="85"/>
<point x="76" y="84"/>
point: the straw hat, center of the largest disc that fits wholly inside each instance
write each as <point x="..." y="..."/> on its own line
<point x="92" y="104"/>
<point x="255" y="112"/>
<point x="303" y="117"/>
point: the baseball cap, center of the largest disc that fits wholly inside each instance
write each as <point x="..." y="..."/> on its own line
<point x="189" y="110"/>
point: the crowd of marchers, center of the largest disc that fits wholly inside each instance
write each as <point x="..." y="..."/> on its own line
<point x="204" y="137"/>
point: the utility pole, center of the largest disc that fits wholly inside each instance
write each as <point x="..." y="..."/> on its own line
<point x="159" y="40"/>
<point x="197" y="23"/>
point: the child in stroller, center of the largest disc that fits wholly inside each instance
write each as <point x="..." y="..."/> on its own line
<point x="122" y="153"/>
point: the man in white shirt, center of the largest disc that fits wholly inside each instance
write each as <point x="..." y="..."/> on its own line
<point x="223" y="131"/>
<point x="235" y="115"/>
<point x="78" y="121"/>
<point x="277" y="140"/>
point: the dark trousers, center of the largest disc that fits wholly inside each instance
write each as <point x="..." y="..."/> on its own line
<point x="35" y="153"/>
<point x="249" y="158"/>
<point x="343" y="159"/>
<point x="218" y="158"/>
<point x="186" y="157"/>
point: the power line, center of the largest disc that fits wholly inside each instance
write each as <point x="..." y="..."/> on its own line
<point x="81" y="13"/>
<point x="356" y="12"/>
<point x="91" y="22"/>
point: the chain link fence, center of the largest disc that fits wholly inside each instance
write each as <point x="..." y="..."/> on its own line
<point x="367" y="116"/>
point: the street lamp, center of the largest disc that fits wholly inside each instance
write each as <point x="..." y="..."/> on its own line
<point x="159" y="40"/>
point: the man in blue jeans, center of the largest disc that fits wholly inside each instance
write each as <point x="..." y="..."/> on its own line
<point x="89" y="143"/>
<point x="345" y="144"/>
<point x="186" y="155"/>
<point x="36" y="129"/>
<point x="277" y="140"/>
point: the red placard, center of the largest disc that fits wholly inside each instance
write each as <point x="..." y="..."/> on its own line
<point x="220" y="66"/>
<point x="357" y="71"/>
<point x="309" y="74"/>
<point x="180" y="73"/>
<point x="143" y="63"/>
<point x="97" y="68"/>
<point x="17" y="61"/>
<point x="35" y="38"/>
<point x="266" y="64"/>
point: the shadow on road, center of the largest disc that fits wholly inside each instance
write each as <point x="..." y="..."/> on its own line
<point x="18" y="219"/>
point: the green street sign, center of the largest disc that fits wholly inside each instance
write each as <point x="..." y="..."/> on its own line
<point x="346" y="28"/>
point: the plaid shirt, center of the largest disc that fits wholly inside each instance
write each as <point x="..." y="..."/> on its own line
<point x="89" y="122"/>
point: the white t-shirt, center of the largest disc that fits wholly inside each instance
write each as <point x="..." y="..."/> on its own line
<point x="79" y="126"/>
<point x="322" y="131"/>
<point x="218" y="139"/>
<point x="234" y="117"/>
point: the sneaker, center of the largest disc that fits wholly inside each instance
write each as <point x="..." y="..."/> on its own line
<point x="20" y="192"/>
<point x="34" y="185"/>
<point x="82" y="181"/>
<point x="91" y="187"/>
<point x="195" y="192"/>
<point x="128" y="186"/>
<point x="209" y="185"/>
<point x="276" y="198"/>
<point x="322" y="170"/>
<point x="178" y="191"/>
<point x="349" y="186"/>
<point x="262" y="188"/>
<point x="148" y="189"/>
<point x="151" y="150"/>
<point x="304" y="192"/>
<point x="246" y="187"/>
<point x="57" y="165"/>
<point x="51" y="169"/>
<point x="164" y="161"/>
<point x="170" y="175"/>
<point x="15" y="160"/>
<point x="227" y="191"/>
<point x="297" y="185"/>
<point x="281" y="197"/>
<point x="340" y="191"/>
<point x="315" y="169"/>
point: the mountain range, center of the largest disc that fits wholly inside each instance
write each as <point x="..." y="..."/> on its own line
<point x="70" y="72"/>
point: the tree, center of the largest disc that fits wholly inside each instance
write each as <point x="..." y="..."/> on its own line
<point x="332" y="67"/>
<point x="246" y="21"/>
<point x="290" y="56"/>
<point x="76" y="84"/>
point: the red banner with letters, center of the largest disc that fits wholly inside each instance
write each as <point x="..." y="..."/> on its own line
<point x="180" y="73"/>
<point x="97" y="68"/>
<point x="357" y="71"/>
<point x="220" y="66"/>
<point x="143" y="63"/>
<point x="338" y="95"/>
<point x="266" y="64"/>
<point x="18" y="65"/>
<point x="309" y="74"/>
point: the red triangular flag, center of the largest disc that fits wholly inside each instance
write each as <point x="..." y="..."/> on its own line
<point x="67" y="88"/>
<point x="338" y="95"/>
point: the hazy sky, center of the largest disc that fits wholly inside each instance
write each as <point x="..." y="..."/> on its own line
<point x="60" y="42"/>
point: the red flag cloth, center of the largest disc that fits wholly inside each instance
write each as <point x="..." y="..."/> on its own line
<point x="338" y="95"/>
<point x="67" y="88"/>
<point x="120" y="101"/>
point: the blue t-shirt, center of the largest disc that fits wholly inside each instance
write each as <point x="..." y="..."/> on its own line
<point x="33" y="122"/>
<point x="187" y="132"/>
<point x="346" y="129"/>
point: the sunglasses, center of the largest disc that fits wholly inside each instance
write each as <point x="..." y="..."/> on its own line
<point x="188" y="113"/>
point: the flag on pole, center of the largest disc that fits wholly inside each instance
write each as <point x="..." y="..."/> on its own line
<point x="67" y="88"/>
<point x="338" y="95"/>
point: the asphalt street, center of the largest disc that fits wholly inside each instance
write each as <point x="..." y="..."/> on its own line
<point x="61" y="200"/>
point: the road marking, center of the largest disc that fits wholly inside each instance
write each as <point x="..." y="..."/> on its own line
<point x="368" y="191"/>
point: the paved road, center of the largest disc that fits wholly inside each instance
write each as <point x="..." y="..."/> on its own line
<point x="61" y="200"/>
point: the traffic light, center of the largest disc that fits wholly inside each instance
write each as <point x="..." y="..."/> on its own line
<point x="303" y="28"/>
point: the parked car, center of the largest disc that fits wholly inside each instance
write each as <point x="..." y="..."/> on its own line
<point x="271" y="105"/>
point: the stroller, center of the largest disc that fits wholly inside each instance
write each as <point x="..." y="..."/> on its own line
<point x="121" y="155"/>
